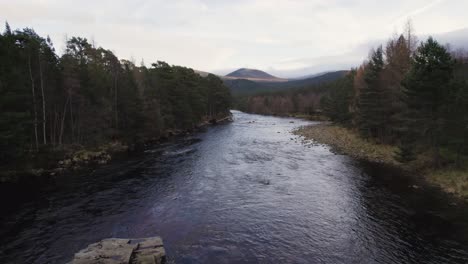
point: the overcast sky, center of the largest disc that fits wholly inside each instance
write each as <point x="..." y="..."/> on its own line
<point x="286" y="38"/>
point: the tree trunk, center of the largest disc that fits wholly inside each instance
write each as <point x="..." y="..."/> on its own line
<point x="62" y="123"/>
<point x="34" y="103"/>
<point x="44" y="134"/>
<point x="459" y="156"/>
<point x="72" y="124"/>
<point x="436" y="149"/>
<point x="437" y="156"/>
<point x="115" y="103"/>
<point x="52" y="127"/>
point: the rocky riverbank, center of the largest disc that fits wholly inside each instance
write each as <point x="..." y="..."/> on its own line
<point x="76" y="158"/>
<point x="345" y="141"/>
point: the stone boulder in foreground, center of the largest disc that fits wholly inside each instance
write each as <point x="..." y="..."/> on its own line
<point x="123" y="251"/>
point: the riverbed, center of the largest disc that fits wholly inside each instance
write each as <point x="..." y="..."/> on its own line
<point x="244" y="192"/>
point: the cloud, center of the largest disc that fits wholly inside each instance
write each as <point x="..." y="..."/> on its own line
<point x="212" y="34"/>
<point x="417" y="11"/>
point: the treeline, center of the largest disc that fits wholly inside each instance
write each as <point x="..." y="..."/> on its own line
<point x="411" y="94"/>
<point x="87" y="96"/>
<point x="292" y="101"/>
<point x="292" y="97"/>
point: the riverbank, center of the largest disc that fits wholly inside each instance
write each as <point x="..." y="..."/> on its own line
<point x="310" y="117"/>
<point x="450" y="179"/>
<point x="77" y="158"/>
<point x="242" y="177"/>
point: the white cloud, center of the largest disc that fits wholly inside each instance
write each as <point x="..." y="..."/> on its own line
<point x="212" y="34"/>
<point x="417" y="11"/>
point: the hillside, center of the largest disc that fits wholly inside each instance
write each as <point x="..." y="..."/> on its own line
<point x="242" y="87"/>
<point x="327" y="77"/>
<point x="309" y="76"/>
<point x="253" y="75"/>
<point x="250" y="73"/>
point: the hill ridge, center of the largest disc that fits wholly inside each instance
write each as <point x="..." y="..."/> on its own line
<point x="246" y="86"/>
<point x="252" y="74"/>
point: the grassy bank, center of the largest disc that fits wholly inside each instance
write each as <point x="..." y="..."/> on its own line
<point x="346" y="141"/>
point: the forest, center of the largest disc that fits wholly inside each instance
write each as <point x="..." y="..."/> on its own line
<point x="87" y="97"/>
<point x="409" y="93"/>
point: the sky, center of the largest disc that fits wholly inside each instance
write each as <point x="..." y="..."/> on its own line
<point x="286" y="38"/>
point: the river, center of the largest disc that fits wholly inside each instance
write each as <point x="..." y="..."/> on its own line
<point x="243" y="192"/>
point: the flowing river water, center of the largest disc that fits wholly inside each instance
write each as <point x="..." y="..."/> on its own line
<point x="243" y="192"/>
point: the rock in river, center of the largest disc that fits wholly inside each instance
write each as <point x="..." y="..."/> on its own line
<point x="123" y="251"/>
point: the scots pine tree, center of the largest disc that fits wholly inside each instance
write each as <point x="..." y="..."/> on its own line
<point x="427" y="90"/>
<point x="370" y="99"/>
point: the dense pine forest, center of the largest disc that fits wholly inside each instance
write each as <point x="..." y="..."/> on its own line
<point x="87" y="97"/>
<point x="409" y="93"/>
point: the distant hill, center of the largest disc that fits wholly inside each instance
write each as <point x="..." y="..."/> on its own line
<point x="253" y="75"/>
<point x="457" y="39"/>
<point x="326" y="77"/>
<point x="244" y="87"/>
<point x="308" y="76"/>
<point x="250" y="73"/>
<point x="241" y="87"/>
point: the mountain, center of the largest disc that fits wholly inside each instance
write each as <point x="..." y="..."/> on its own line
<point x="309" y="76"/>
<point x="457" y="39"/>
<point x="253" y="75"/>
<point x="243" y="87"/>
<point x="318" y="79"/>
<point x="244" y="73"/>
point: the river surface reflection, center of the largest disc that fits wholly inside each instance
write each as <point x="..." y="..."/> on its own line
<point x="244" y="192"/>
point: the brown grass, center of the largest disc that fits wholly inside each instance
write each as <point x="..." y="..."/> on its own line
<point x="451" y="180"/>
<point x="346" y="141"/>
